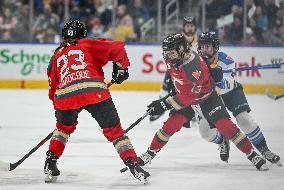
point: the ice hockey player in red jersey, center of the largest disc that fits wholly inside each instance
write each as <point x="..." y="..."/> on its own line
<point x="76" y="83"/>
<point x="194" y="86"/>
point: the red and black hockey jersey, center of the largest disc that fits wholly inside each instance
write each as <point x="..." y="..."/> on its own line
<point x="192" y="81"/>
<point x="75" y="73"/>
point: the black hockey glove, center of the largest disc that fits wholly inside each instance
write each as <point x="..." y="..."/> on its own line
<point x="158" y="107"/>
<point x="216" y="73"/>
<point x="119" y="74"/>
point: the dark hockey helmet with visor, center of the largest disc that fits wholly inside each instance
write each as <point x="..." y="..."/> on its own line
<point x="74" y="29"/>
<point x="208" y="38"/>
<point x="174" y="47"/>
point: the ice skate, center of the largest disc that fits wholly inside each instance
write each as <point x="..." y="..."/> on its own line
<point x="224" y="150"/>
<point x="137" y="171"/>
<point x="147" y="157"/>
<point x="271" y="157"/>
<point x="50" y="168"/>
<point x="257" y="161"/>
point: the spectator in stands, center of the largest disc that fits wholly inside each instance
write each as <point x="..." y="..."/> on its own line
<point x="139" y="14"/>
<point x="44" y="21"/>
<point x="236" y="31"/>
<point x="95" y="27"/>
<point x="8" y="23"/>
<point x="256" y="30"/>
<point x="124" y="28"/>
<point x="222" y="35"/>
<point x="270" y="9"/>
<point x="260" y="18"/>
<point x="22" y="31"/>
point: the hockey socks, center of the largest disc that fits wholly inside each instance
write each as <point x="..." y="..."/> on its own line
<point x="230" y="131"/>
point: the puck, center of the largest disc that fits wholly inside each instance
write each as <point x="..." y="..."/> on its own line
<point x="123" y="170"/>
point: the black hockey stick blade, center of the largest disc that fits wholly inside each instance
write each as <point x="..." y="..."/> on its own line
<point x="4" y="166"/>
<point x="272" y="96"/>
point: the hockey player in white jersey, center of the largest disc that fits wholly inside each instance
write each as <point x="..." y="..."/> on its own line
<point x="189" y="30"/>
<point x="234" y="99"/>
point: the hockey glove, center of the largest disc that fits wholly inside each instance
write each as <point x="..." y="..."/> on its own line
<point x="119" y="74"/>
<point x="158" y="107"/>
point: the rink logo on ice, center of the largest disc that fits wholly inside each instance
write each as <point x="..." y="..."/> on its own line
<point x="214" y="110"/>
<point x="30" y="62"/>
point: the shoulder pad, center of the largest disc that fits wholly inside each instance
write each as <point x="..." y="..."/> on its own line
<point x="225" y="58"/>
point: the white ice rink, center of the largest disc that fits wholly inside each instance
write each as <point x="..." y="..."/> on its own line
<point x="187" y="162"/>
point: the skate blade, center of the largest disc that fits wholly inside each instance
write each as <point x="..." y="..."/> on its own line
<point x="50" y="179"/>
<point x="278" y="164"/>
<point x="263" y="168"/>
<point x="142" y="179"/>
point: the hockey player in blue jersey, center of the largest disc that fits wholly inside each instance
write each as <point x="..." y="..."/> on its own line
<point x="234" y="99"/>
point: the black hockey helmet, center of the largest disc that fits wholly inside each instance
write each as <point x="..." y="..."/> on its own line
<point x="74" y="29"/>
<point x="178" y="42"/>
<point x="208" y="38"/>
<point x="189" y="19"/>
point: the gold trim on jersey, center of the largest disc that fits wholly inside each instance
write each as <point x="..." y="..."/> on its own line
<point x="79" y="86"/>
<point x="175" y="105"/>
<point x="215" y="61"/>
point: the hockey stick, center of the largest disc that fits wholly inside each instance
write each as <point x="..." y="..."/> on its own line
<point x="5" y="166"/>
<point x="271" y="66"/>
<point x="272" y="96"/>
<point x="134" y="124"/>
<point x="141" y="118"/>
<point x="138" y="120"/>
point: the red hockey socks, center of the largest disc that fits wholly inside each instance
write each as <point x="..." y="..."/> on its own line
<point x="60" y="137"/>
<point x="227" y="128"/>
<point x="170" y="127"/>
<point x="121" y="142"/>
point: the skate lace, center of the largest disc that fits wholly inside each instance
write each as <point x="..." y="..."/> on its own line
<point x="223" y="148"/>
<point x="256" y="159"/>
<point x="147" y="156"/>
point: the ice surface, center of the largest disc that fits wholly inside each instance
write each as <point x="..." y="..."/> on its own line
<point x="90" y="162"/>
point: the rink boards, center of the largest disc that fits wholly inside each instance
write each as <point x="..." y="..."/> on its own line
<point x="24" y="66"/>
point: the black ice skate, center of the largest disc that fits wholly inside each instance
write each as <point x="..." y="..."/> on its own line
<point x="50" y="168"/>
<point x="147" y="157"/>
<point x="257" y="161"/>
<point x="224" y="150"/>
<point x="137" y="171"/>
<point x="271" y="157"/>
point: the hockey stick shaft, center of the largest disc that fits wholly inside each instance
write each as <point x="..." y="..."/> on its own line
<point x="138" y="121"/>
<point x="141" y="118"/>
<point x="271" y="66"/>
<point x="12" y="166"/>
